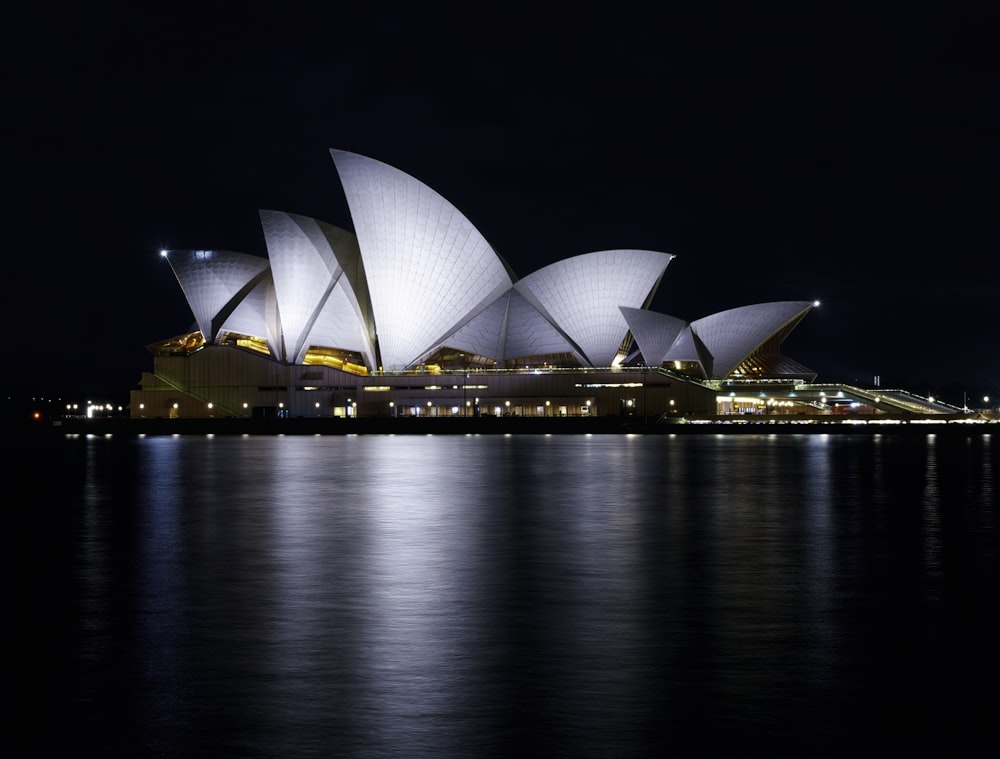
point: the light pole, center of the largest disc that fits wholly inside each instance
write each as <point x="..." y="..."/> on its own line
<point x="645" y="413"/>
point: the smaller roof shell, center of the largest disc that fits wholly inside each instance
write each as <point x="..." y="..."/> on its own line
<point x="214" y="282"/>
<point x="732" y="336"/>
<point x="584" y="294"/>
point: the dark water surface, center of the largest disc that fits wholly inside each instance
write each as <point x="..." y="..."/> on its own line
<point x="451" y="596"/>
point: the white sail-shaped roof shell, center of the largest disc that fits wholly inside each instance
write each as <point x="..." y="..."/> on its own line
<point x="256" y="314"/>
<point x="687" y="347"/>
<point x="510" y="328"/>
<point x="529" y="333"/>
<point x="213" y="281"/>
<point x="654" y="332"/>
<point x="731" y="336"/>
<point x="428" y="267"/>
<point x="317" y="299"/>
<point x="337" y="326"/>
<point x="482" y="333"/>
<point x="583" y="295"/>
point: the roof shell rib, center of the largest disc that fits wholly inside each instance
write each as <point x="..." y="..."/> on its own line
<point x="428" y="267"/>
<point x="732" y="336"/>
<point x="583" y="296"/>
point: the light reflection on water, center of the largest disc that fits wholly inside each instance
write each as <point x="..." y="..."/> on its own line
<point x="525" y="595"/>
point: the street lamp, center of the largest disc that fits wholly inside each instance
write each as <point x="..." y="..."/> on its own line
<point x="645" y="412"/>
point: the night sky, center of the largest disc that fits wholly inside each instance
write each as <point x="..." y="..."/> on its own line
<point x="781" y="151"/>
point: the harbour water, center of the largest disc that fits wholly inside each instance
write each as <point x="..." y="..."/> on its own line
<point x="521" y="595"/>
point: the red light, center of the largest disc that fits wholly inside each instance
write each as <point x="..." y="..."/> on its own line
<point x="37" y="415"/>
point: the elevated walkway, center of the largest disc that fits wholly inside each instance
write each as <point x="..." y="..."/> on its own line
<point x="827" y="396"/>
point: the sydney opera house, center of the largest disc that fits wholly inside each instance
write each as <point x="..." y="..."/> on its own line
<point x="413" y="314"/>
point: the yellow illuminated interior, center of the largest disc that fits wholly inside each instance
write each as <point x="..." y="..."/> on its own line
<point x="447" y="358"/>
<point x="255" y="344"/>
<point x="182" y="345"/>
<point x="346" y="361"/>
<point x="688" y="368"/>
